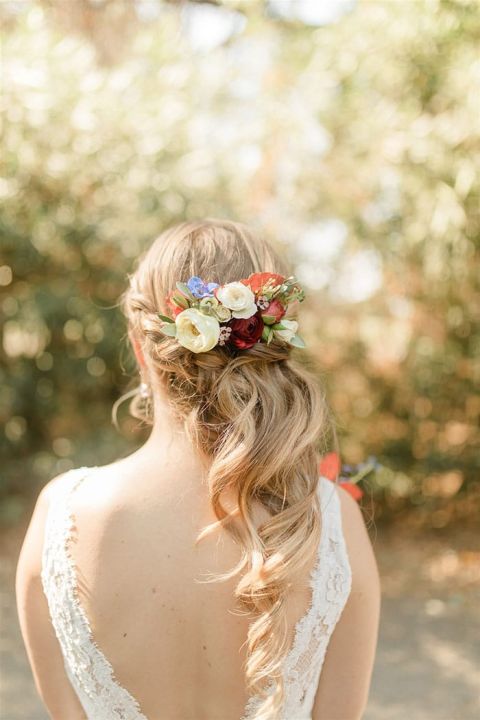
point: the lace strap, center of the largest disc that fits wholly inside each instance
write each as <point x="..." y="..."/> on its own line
<point x="88" y="669"/>
<point x="330" y="584"/>
<point x="329" y="578"/>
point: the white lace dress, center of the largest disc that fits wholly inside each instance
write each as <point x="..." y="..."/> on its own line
<point x="91" y="674"/>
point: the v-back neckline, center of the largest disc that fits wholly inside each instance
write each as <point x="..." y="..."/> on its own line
<point x="58" y="534"/>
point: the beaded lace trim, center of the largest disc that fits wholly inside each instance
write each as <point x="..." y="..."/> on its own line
<point x="91" y="674"/>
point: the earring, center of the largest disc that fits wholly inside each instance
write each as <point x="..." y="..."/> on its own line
<point x="146" y="396"/>
<point x="145" y="390"/>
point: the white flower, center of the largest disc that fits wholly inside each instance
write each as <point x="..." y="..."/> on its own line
<point x="291" y="327"/>
<point x="263" y="302"/>
<point x="222" y="313"/>
<point x="196" y="331"/>
<point x="238" y="298"/>
<point x="225" y="333"/>
<point x="208" y="305"/>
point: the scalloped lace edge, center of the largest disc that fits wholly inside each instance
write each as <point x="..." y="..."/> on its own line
<point x="93" y="679"/>
<point x="322" y="611"/>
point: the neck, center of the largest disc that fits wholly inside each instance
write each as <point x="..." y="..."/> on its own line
<point x="168" y="437"/>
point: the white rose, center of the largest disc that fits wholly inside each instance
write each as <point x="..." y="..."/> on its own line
<point x="196" y="331"/>
<point x="238" y="298"/>
<point x="291" y="327"/>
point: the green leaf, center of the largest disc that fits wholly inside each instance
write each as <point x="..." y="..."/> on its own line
<point x="297" y="341"/>
<point x="180" y="301"/>
<point x="278" y="326"/>
<point x="268" y="319"/>
<point x="185" y="290"/>
<point x="266" y="333"/>
<point x="169" y="329"/>
<point x="369" y="467"/>
<point x="165" y="318"/>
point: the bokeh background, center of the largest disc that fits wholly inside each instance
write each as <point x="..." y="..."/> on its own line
<point x="348" y="133"/>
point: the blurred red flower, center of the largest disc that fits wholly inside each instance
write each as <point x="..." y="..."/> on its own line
<point x="330" y="467"/>
<point x="353" y="490"/>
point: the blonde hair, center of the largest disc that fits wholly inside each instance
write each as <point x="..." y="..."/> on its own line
<point x="257" y="416"/>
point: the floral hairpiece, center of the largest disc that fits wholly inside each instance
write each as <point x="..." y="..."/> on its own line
<point x="238" y="314"/>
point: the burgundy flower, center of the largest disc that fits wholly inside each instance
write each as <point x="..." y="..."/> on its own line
<point x="245" y="333"/>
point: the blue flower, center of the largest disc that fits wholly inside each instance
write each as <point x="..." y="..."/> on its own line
<point x="199" y="289"/>
<point x="354" y="473"/>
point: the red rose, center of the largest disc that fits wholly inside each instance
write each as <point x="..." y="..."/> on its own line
<point x="245" y="333"/>
<point x="256" y="281"/>
<point x="275" y="310"/>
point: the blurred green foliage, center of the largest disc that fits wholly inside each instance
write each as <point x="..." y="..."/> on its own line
<point x="354" y="144"/>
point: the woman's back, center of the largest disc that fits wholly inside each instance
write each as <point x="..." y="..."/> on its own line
<point x="136" y="551"/>
<point x="131" y="544"/>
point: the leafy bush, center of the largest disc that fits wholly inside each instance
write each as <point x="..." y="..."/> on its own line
<point x="353" y="144"/>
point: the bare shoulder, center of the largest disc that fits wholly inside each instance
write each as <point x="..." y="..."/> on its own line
<point x="351" y="651"/>
<point x="359" y="547"/>
<point x="37" y="631"/>
<point x="29" y="564"/>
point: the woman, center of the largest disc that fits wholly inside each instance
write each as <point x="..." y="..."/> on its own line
<point x="211" y="574"/>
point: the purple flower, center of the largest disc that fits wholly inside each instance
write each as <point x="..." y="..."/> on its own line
<point x="200" y="289"/>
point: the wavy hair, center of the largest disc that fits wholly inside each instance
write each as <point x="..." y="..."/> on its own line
<point x="259" y="419"/>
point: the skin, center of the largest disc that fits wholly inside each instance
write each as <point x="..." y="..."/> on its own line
<point x="136" y="521"/>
